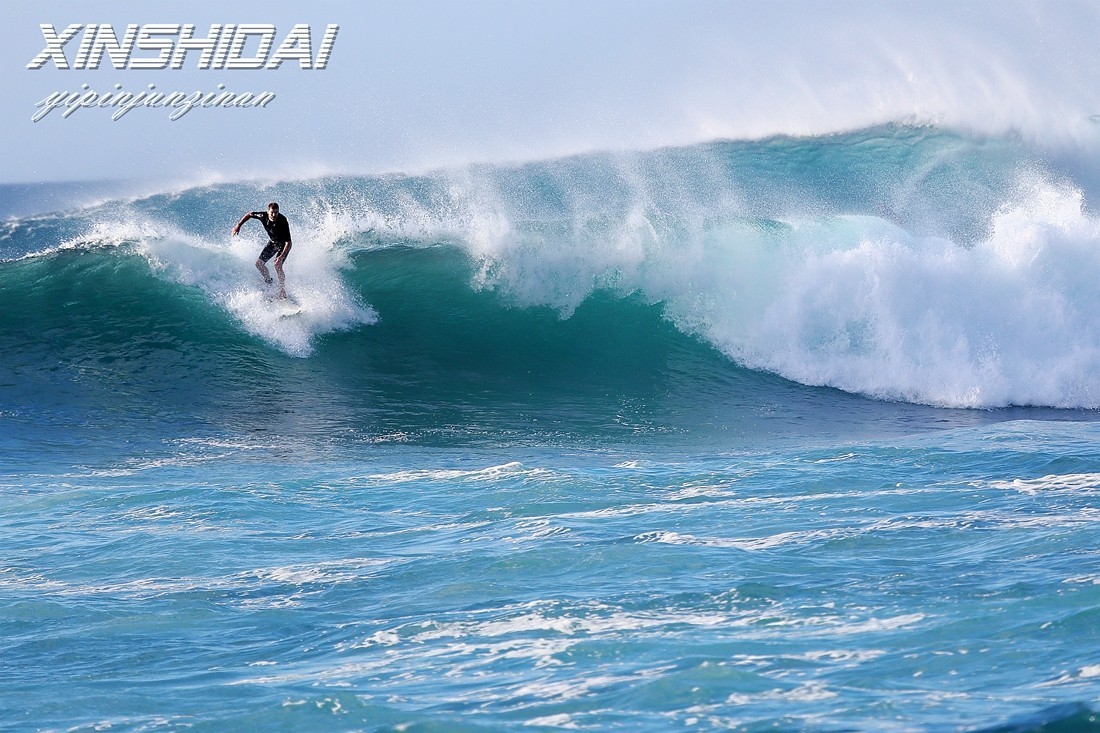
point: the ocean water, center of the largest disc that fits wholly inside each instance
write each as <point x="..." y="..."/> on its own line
<point x="792" y="434"/>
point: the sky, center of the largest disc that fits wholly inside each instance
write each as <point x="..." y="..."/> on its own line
<point x="418" y="84"/>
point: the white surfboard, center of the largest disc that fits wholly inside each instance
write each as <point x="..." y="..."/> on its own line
<point x="286" y="307"/>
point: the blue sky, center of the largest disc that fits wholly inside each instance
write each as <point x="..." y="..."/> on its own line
<point x="415" y="84"/>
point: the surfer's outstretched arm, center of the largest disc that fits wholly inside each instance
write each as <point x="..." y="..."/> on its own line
<point x="244" y="218"/>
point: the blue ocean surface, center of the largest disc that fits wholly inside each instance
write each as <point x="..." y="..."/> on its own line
<point x="792" y="434"/>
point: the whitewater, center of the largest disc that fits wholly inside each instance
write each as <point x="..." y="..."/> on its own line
<point x="788" y="433"/>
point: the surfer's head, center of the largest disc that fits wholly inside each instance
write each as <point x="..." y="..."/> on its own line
<point x="272" y="209"/>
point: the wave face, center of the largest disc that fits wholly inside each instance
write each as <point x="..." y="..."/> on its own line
<point x="905" y="264"/>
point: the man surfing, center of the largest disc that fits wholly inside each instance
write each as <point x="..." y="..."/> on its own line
<point x="278" y="246"/>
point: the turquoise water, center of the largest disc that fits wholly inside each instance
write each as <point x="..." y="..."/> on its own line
<point x="783" y="435"/>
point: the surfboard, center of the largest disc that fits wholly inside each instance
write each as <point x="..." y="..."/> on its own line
<point x="297" y="310"/>
<point x="286" y="307"/>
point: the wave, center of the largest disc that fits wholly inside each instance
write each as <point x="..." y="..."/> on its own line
<point x="908" y="264"/>
<point x="1066" y="718"/>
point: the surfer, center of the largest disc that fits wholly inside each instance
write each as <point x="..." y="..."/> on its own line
<point x="278" y="246"/>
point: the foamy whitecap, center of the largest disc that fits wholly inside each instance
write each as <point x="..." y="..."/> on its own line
<point x="1084" y="483"/>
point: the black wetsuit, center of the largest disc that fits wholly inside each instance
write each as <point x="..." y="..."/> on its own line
<point x="278" y="232"/>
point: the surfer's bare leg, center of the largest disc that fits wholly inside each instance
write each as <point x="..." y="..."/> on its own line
<point x="262" y="267"/>
<point x="282" y="277"/>
<point x="279" y="260"/>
